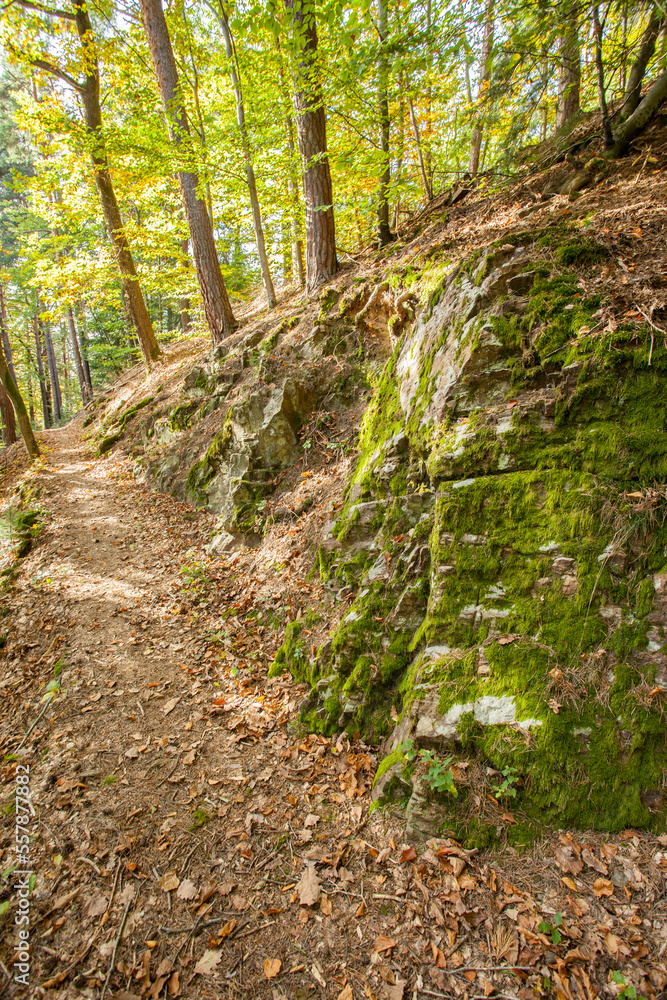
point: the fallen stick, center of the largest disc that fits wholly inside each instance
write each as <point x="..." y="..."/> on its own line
<point x="115" y="948"/>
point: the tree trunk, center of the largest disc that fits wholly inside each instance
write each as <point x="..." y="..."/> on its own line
<point x="247" y="158"/>
<point x="84" y="352"/>
<point x="298" y="269"/>
<point x="217" y="308"/>
<point x="53" y="374"/>
<point x="321" y="263"/>
<point x="78" y="363"/>
<point x="40" y="373"/>
<point x="420" y="156"/>
<point x="599" y="67"/>
<point x="184" y="303"/>
<point x="90" y="98"/>
<point x="4" y="325"/>
<point x="626" y="132"/>
<point x="484" y="74"/>
<point x="11" y="390"/>
<point x="7" y="410"/>
<point x="569" y="73"/>
<point x="645" y="52"/>
<point x="385" y="235"/>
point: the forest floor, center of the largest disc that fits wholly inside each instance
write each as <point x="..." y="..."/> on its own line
<point x="190" y="840"/>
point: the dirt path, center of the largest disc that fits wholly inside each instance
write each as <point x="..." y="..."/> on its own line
<point x="190" y="842"/>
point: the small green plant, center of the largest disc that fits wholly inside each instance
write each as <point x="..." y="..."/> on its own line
<point x="552" y="929"/>
<point x="627" y="991"/>
<point x="110" y="779"/>
<point x="439" y="776"/>
<point x="199" y="817"/>
<point x="507" y="787"/>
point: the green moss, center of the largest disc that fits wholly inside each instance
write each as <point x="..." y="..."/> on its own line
<point x="581" y="250"/>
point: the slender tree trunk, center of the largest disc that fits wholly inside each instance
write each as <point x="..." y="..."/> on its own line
<point x="90" y="98"/>
<point x="420" y="156"/>
<point x="292" y="183"/>
<point x="84" y="351"/>
<point x="11" y="390"/>
<point x="645" y="52"/>
<point x="53" y="374"/>
<point x="78" y="363"/>
<point x="599" y="68"/>
<point x="4" y="324"/>
<point x="484" y="74"/>
<point x="8" y="421"/>
<point x="569" y="72"/>
<point x="247" y="159"/>
<point x="217" y="308"/>
<point x="40" y="373"/>
<point x="384" y="230"/>
<point x="321" y="263"/>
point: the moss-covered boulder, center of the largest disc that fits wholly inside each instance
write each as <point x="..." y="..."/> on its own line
<point x="505" y="542"/>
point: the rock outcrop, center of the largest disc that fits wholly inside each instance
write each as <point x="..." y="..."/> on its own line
<point x="504" y="549"/>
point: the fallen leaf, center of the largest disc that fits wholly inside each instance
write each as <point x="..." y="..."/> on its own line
<point x="361" y="909"/>
<point x="394" y="992"/>
<point x="603" y="887"/>
<point x="506" y="639"/>
<point x="170" y="705"/>
<point x="187" y="890"/>
<point x="226" y="930"/>
<point x="567" y="860"/>
<point x="170" y="881"/>
<point x="189" y="758"/>
<point x="325" y="905"/>
<point x="165" y="968"/>
<point x="96" y="906"/>
<point x="208" y="962"/>
<point x="311" y="820"/>
<point x="174" y="985"/>
<point x="384" y="943"/>
<point x="316" y="974"/>
<point x="408" y="854"/>
<point x="593" y="862"/>
<point x="346" y="994"/>
<point x="131" y="753"/>
<point x="272" y="967"/>
<point x="64" y="900"/>
<point x="308" y="887"/>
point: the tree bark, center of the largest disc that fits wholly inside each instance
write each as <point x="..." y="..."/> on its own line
<point x="56" y="395"/>
<point x="8" y="421"/>
<point x="84" y="353"/>
<point x="385" y="235"/>
<point x="40" y="372"/>
<point x="298" y="268"/>
<point x="420" y="156"/>
<point x="4" y="324"/>
<point x="484" y="74"/>
<point x="78" y="363"/>
<point x="569" y="73"/>
<point x="626" y="132"/>
<point x="599" y="67"/>
<point x="247" y="159"/>
<point x="11" y="390"/>
<point x="184" y="303"/>
<point x="321" y="263"/>
<point x="217" y="308"/>
<point x="645" y="52"/>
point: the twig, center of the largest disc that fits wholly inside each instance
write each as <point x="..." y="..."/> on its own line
<point x="115" y="883"/>
<point x="34" y="724"/>
<point x="115" y="948"/>
<point x="184" y="930"/>
<point x="77" y="960"/>
<point x="87" y="861"/>
<point x="254" y="930"/>
<point x="185" y="863"/>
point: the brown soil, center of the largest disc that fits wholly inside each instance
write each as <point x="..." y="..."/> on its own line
<point x="173" y="791"/>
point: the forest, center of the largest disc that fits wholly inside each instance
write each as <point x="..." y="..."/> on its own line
<point x="158" y="165"/>
<point x="333" y="516"/>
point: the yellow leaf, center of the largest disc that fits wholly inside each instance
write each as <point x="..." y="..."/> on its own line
<point x="272" y="967"/>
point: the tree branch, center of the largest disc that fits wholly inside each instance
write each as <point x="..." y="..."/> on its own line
<point x="55" y="12"/>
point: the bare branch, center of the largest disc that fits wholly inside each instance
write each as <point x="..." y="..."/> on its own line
<point x="49" y="67"/>
<point x="53" y="11"/>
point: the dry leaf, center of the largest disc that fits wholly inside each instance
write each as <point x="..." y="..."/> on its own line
<point x="308" y="887"/>
<point x="408" y="854"/>
<point x="208" y="962"/>
<point x="346" y="994"/>
<point x="170" y="705"/>
<point x="325" y="905"/>
<point x="394" y="992"/>
<point x="165" y="968"/>
<point x="240" y="902"/>
<point x="174" y="985"/>
<point x="131" y="753"/>
<point x="593" y="862"/>
<point x="603" y="887"/>
<point x="361" y="909"/>
<point x="170" y="881"/>
<point x="62" y="901"/>
<point x="187" y="890"/>
<point x="96" y="906"/>
<point x="312" y="819"/>
<point x="316" y="974"/>
<point x="384" y="943"/>
<point x="272" y="967"/>
<point x="567" y="860"/>
<point x="189" y="758"/>
<point x="227" y="929"/>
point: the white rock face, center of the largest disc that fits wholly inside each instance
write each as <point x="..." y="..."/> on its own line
<point x="491" y="710"/>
